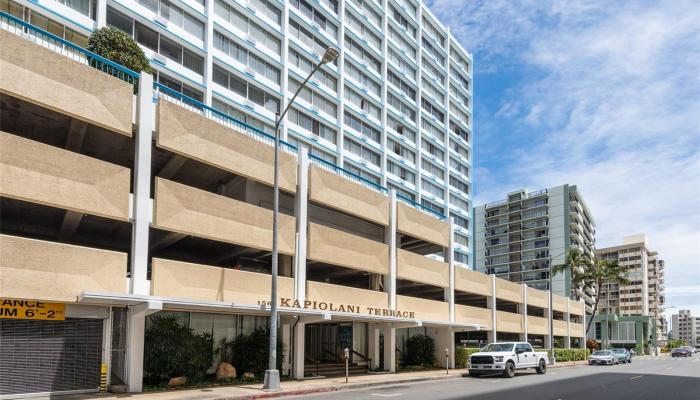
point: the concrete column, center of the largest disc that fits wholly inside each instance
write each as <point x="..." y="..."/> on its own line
<point x="287" y="341"/>
<point x="390" y="240"/>
<point x="136" y="329"/>
<point x="297" y="350"/>
<point x="209" y="49"/>
<point x="389" y="347"/>
<point x="523" y="336"/>
<point x="373" y="344"/>
<point x="101" y="13"/>
<point x="492" y="305"/>
<point x="142" y="205"/>
<point x="444" y="339"/>
<point x="301" y="212"/>
<point x="449" y="257"/>
<point x="567" y="317"/>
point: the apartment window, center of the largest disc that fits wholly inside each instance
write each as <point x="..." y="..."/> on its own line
<point x="400" y="150"/>
<point x="401" y="20"/>
<point x="401" y="107"/>
<point x="360" y="52"/>
<point x="303" y="63"/>
<point x="44" y="23"/>
<point x="459" y="131"/>
<point x="460" y="203"/>
<point x="459" y="220"/>
<point x="315" y="99"/>
<point x="242" y="55"/>
<point x="432" y="206"/>
<point x="361" y="151"/>
<point x="362" y="30"/>
<point x="459" y="113"/>
<point x="401" y="172"/>
<point x="459" y="77"/>
<point x="85" y="7"/>
<point x="433" y="110"/>
<point x="362" y="126"/>
<point x="433" y="32"/>
<point x="178" y="86"/>
<point x="315" y="17"/>
<point x="432" y="130"/>
<point x="400" y="84"/>
<point x="313" y="150"/>
<point x="369" y="12"/>
<point x="433" y="169"/>
<point x="432" y="188"/>
<point x="363" y="79"/>
<point x="408" y="6"/>
<point x="403" y="66"/>
<point x="432" y="149"/>
<point x="458" y="94"/>
<point x="430" y="68"/>
<point x="255" y="33"/>
<point x="432" y="91"/>
<point x="459" y="185"/>
<point x="398" y="127"/>
<point x="403" y="192"/>
<point x="313" y="125"/>
<point x="362" y="103"/>
<point x="459" y="167"/>
<point x="459" y="149"/>
<point x="243" y="117"/>
<point x="461" y="240"/>
<point x="459" y="60"/>
<point x="176" y="16"/>
<point x="361" y="172"/>
<point x="428" y="46"/>
<point x="404" y="45"/>
<point x="240" y="86"/>
<point x="461" y="257"/>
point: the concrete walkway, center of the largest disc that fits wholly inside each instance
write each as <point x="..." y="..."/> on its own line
<point x="289" y="388"/>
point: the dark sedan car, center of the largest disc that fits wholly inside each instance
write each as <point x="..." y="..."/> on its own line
<point x="681" y="352"/>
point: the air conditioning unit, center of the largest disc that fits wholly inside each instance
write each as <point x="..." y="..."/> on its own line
<point x="159" y="58"/>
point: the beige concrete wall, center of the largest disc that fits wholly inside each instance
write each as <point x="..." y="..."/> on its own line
<point x="509" y="322"/>
<point x="472" y="282"/>
<point x="560" y="328"/>
<point x="41" y="76"/>
<point x="337" y="192"/>
<point x="50" y="271"/>
<point x="537" y="298"/>
<point x="208" y="283"/>
<point x="473" y="315"/>
<point x="576" y="307"/>
<point x="418" y="268"/>
<point x="419" y="224"/>
<point x="560" y="303"/>
<point x="195" y="136"/>
<point x="507" y="290"/>
<point x="184" y="209"/>
<point x="577" y="330"/>
<point x="317" y="291"/>
<point x="345" y="249"/>
<point x="39" y="173"/>
<point x="426" y="310"/>
<point x="537" y="325"/>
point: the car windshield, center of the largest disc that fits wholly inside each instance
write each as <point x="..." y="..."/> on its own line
<point x="499" y="347"/>
<point x="619" y="350"/>
<point x="601" y="353"/>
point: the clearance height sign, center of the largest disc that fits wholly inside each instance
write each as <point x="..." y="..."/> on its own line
<point x="32" y="309"/>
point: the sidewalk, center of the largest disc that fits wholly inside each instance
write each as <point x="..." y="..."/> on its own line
<point x="289" y="388"/>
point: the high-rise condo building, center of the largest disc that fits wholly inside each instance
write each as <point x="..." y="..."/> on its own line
<point x="686" y="327"/>
<point x="394" y="109"/>
<point x="520" y="237"/>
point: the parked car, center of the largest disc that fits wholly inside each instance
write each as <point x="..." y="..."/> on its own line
<point x="507" y="357"/>
<point x="603" y="357"/>
<point x="623" y="355"/>
<point x="691" y="349"/>
<point x="681" y="352"/>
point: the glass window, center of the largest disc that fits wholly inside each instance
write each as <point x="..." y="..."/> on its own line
<point x="120" y="21"/>
<point x="170" y="49"/>
<point x="147" y="37"/>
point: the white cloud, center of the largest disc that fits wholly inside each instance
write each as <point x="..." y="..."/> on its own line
<point x="613" y="106"/>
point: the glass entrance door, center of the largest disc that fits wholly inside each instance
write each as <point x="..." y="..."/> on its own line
<point x="325" y="342"/>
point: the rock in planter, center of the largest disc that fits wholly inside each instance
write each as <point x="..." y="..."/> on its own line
<point x="248" y="376"/>
<point x="225" y="371"/>
<point x="177" y="381"/>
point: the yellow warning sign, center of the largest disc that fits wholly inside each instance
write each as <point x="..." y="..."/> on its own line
<point x="32" y="309"/>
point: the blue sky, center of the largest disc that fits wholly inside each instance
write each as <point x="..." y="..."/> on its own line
<point x="604" y="95"/>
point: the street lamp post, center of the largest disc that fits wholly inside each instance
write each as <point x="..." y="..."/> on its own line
<point x="272" y="376"/>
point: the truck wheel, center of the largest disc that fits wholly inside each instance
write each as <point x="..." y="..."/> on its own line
<point x="509" y="371"/>
<point x="541" y="368"/>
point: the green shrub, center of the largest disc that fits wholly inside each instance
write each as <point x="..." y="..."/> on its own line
<point x="420" y="350"/>
<point x="462" y="356"/>
<point x="250" y="353"/>
<point x="563" y="355"/>
<point x="172" y="349"/>
<point x="117" y="46"/>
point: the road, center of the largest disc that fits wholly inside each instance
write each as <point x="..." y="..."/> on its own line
<point x="658" y="378"/>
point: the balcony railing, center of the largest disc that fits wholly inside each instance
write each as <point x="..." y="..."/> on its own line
<point x="419" y="206"/>
<point x="347" y="174"/>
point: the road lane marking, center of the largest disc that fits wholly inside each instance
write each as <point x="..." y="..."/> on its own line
<point x="387" y="395"/>
<point x="636" y="377"/>
<point x="669" y="367"/>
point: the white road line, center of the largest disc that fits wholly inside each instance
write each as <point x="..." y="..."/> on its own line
<point x="387" y="395"/>
<point x="636" y="377"/>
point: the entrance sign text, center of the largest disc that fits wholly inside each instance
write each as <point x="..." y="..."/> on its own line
<point x="31" y="309"/>
<point x="346" y="308"/>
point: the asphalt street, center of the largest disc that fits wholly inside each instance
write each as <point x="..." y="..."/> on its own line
<point x="659" y="378"/>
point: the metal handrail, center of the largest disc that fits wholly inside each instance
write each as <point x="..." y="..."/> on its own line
<point x="348" y="174"/>
<point x="419" y="206"/>
<point x="62" y="46"/>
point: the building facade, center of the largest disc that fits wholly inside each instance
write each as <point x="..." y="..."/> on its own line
<point x="644" y="296"/>
<point x="394" y="108"/>
<point x="520" y="237"/>
<point x="686" y="327"/>
<point x="123" y="201"/>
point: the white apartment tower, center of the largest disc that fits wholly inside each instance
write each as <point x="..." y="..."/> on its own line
<point x="686" y="327"/>
<point x="394" y="110"/>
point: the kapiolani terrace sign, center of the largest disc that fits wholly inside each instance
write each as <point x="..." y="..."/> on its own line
<point x="346" y="308"/>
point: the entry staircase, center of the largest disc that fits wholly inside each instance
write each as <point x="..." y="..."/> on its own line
<point x="335" y="365"/>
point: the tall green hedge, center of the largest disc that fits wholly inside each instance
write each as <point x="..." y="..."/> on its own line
<point x="420" y="351"/>
<point x="462" y="356"/>
<point x="570" y="354"/>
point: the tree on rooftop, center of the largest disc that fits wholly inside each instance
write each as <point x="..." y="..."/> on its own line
<point x="117" y="46"/>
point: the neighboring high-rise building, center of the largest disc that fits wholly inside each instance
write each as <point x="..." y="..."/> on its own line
<point x="520" y="237"/>
<point x="686" y="327"/>
<point x="645" y="294"/>
<point x="395" y="108"/>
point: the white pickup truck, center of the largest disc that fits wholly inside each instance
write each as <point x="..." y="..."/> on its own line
<point x="507" y="357"/>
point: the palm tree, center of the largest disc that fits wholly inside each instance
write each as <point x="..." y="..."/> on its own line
<point x="594" y="275"/>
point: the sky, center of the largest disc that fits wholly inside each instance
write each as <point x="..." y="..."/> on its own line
<point x="603" y="95"/>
